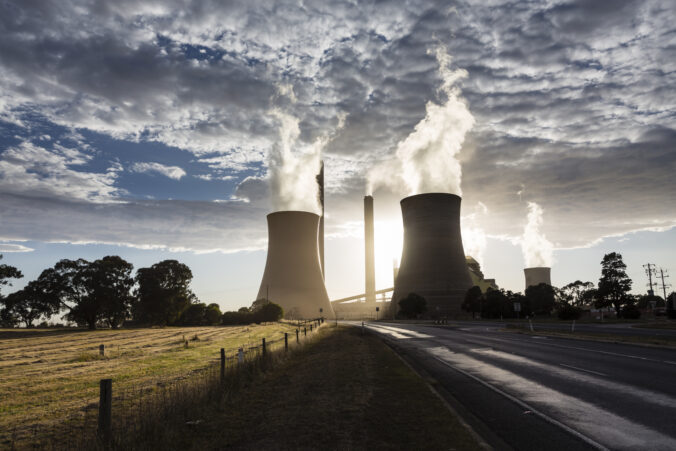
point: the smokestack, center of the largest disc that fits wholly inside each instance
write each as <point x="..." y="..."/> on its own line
<point x="537" y="275"/>
<point x="369" y="264"/>
<point x="433" y="261"/>
<point x="320" y="236"/>
<point x="293" y="277"/>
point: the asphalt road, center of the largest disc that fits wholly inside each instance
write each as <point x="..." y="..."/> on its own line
<point x="536" y="393"/>
<point x="615" y="329"/>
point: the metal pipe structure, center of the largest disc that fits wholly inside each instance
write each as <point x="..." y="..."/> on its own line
<point x="537" y="275"/>
<point x="369" y="254"/>
<point x="433" y="261"/>
<point x="293" y="276"/>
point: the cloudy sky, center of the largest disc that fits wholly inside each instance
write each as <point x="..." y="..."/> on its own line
<point x="154" y="129"/>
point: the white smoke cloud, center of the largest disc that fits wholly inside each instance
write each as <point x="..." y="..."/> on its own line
<point x="173" y="172"/>
<point x="537" y="249"/>
<point x="426" y="160"/>
<point x="474" y="239"/>
<point x="292" y="165"/>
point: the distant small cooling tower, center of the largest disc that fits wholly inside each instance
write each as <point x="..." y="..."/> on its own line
<point x="433" y="261"/>
<point x="293" y="276"/>
<point x="538" y="275"/>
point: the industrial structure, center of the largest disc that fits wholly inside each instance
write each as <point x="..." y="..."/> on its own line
<point x="433" y="261"/>
<point x="320" y="235"/>
<point x="293" y="274"/>
<point x="537" y="275"/>
<point x="369" y="252"/>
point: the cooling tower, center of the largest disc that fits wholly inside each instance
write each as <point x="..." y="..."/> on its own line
<point x="538" y="275"/>
<point x="369" y="254"/>
<point x="433" y="261"/>
<point x="293" y="276"/>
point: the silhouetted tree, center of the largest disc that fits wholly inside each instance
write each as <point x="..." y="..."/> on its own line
<point x="495" y="304"/>
<point x="412" y="305"/>
<point x="212" y="314"/>
<point x="7" y="317"/>
<point x="200" y="315"/>
<point x="671" y="306"/>
<point x="163" y="292"/>
<point x="30" y="303"/>
<point x="98" y="291"/>
<point x="541" y="298"/>
<point x="513" y="298"/>
<point x="629" y="309"/>
<point x="574" y="293"/>
<point x="473" y="300"/>
<point x="265" y="312"/>
<point x="269" y="312"/>
<point x="614" y="284"/>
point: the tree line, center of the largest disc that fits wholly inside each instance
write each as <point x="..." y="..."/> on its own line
<point x="612" y="290"/>
<point x="103" y="293"/>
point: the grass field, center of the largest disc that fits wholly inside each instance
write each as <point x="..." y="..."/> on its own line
<point x="342" y="391"/>
<point x="47" y="376"/>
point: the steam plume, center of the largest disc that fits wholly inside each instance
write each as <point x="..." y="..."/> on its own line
<point x="293" y="166"/>
<point x="537" y="250"/>
<point x="474" y="239"/>
<point x="426" y="161"/>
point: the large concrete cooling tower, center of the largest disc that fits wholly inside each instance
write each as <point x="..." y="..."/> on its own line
<point x="538" y="275"/>
<point x="433" y="260"/>
<point x="293" y="276"/>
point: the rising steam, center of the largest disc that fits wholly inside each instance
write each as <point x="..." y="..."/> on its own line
<point x="426" y="161"/>
<point x="537" y="250"/>
<point x="474" y="238"/>
<point x="293" y="166"/>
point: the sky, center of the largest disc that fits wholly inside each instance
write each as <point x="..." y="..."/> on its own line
<point x="169" y="129"/>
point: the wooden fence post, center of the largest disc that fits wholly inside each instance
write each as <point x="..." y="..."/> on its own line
<point x="310" y="328"/>
<point x="105" y="430"/>
<point x="305" y="331"/>
<point x="240" y="356"/>
<point x="263" y="346"/>
<point x="286" y="341"/>
<point x="102" y="350"/>
<point x="297" y="339"/>
<point x="222" y="365"/>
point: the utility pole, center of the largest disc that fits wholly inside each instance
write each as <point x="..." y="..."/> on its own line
<point x="664" y="285"/>
<point x="650" y="271"/>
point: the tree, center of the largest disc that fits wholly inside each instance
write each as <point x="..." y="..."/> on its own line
<point x="30" y="303"/>
<point x="98" y="291"/>
<point x="541" y="298"/>
<point x="614" y="284"/>
<point x="644" y="302"/>
<point x="412" y="305"/>
<point x="212" y="314"/>
<point x="8" y="272"/>
<point x="495" y="304"/>
<point x="473" y="300"/>
<point x="629" y="309"/>
<point x="163" y="292"/>
<point x="270" y="312"/>
<point x="575" y="293"/>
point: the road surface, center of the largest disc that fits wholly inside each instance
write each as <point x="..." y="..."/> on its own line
<point x="531" y="392"/>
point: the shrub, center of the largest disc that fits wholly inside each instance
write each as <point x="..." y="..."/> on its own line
<point x="568" y="312"/>
<point x="412" y="306"/>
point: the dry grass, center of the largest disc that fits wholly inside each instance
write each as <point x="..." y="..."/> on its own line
<point x="49" y="376"/>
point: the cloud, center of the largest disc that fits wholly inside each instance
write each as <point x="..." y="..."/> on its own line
<point x="572" y="107"/>
<point x="173" y="172"/>
<point x="8" y="247"/>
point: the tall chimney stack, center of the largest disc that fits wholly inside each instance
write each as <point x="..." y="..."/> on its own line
<point x="369" y="246"/>
<point x="320" y="233"/>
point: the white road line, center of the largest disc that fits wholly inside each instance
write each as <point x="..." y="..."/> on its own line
<point x="582" y="369"/>
<point x="669" y="362"/>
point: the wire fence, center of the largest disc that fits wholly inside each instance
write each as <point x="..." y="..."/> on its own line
<point x="145" y="411"/>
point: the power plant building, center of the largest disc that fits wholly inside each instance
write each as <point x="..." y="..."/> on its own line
<point x="433" y="261"/>
<point x="293" y="275"/>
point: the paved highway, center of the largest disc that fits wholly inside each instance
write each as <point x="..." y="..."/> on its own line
<point x="529" y="392"/>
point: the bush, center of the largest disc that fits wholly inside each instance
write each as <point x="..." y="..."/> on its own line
<point x="568" y="312"/>
<point x="630" y="311"/>
<point x="264" y="312"/>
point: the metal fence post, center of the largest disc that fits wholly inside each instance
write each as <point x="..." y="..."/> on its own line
<point x="105" y="409"/>
<point x="263" y="346"/>
<point x="222" y="364"/>
<point x="286" y="341"/>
